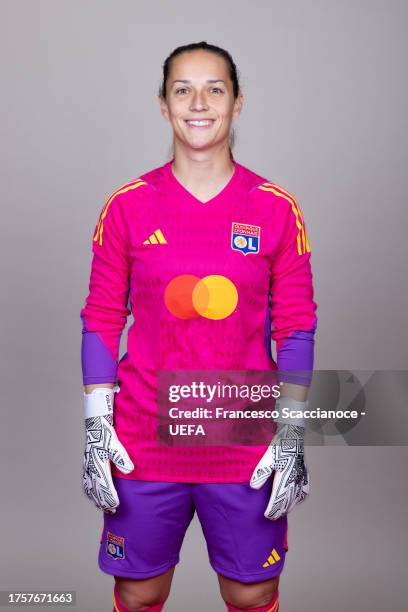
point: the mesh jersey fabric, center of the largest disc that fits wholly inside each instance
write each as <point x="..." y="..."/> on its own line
<point x="151" y="233"/>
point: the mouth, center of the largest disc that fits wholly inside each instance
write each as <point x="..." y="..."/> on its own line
<point x="200" y="123"/>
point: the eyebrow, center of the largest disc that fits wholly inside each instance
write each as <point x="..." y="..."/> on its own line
<point x="208" y="81"/>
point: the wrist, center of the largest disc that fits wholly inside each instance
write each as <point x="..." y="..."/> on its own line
<point x="99" y="402"/>
<point x="291" y="412"/>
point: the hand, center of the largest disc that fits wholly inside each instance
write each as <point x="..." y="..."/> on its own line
<point x="102" y="446"/>
<point x="285" y="457"/>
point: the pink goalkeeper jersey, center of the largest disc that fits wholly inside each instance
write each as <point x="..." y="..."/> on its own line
<point x="247" y="251"/>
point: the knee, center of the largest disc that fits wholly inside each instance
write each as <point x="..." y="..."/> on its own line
<point x="245" y="596"/>
<point x="250" y="603"/>
<point x="137" y="598"/>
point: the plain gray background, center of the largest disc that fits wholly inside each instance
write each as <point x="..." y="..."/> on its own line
<point x="326" y="117"/>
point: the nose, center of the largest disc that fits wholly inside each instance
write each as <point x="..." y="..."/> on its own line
<point x="198" y="101"/>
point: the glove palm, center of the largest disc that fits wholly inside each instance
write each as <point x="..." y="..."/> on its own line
<point x="103" y="446"/>
<point x="285" y="457"/>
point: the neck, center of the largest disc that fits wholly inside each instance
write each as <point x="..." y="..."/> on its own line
<point x="202" y="172"/>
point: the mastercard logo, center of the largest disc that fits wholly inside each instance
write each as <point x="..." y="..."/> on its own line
<point x="213" y="297"/>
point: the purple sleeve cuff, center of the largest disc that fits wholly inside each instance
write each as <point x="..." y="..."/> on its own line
<point x="98" y="364"/>
<point x="295" y="358"/>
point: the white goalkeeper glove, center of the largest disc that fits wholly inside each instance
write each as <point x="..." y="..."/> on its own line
<point x="285" y="457"/>
<point x="102" y="446"/>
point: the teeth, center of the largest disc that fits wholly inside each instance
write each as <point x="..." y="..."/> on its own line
<point x="199" y="123"/>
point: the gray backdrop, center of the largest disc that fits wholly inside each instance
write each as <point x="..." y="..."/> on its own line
<point x="325" y="116"/>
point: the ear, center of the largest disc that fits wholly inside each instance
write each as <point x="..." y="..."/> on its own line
<point x="164" y="109"/>
<point x="238" y="106"/>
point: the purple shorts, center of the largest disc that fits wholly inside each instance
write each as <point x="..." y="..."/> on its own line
<point x="144" y="537"/>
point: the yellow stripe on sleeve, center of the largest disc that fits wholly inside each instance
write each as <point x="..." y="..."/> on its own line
<point x="108" y="201"/>
<point x="302" y="241"/>
<point x="127" y="187"/>
<point x="288" y="199"/>
<point x="291" y="196"/>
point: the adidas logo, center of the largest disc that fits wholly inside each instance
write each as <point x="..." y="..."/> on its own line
<point x="272" y="559"/>
<point x="156" y="238"/>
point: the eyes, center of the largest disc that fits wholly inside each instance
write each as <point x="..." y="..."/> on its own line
<point x="182" y="91"/>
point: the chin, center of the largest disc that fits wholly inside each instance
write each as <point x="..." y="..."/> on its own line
<point x="198" y="145"/>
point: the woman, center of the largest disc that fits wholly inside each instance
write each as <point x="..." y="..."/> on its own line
<point x="200" y="225"/>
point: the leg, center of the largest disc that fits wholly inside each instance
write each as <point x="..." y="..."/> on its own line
<point x="140" y="543"/>
<point x="246" y="549"/>
<point x="137" y="595"/>
<point x="256" y="596"/>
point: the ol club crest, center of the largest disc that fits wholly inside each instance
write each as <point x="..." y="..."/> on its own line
<point x="115" y="546"/>
<point x="245" y="238"/>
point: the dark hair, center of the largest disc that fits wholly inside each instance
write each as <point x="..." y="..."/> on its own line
<point x="203" y="45"/>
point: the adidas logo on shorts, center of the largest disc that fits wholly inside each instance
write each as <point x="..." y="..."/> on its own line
<point x="272" y="559"/>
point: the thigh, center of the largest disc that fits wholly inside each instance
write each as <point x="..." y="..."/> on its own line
<point x="143" y="538"/>
<point x="242" y="544"/>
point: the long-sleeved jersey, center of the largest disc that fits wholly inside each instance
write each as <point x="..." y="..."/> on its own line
<point x="208" y="284"/>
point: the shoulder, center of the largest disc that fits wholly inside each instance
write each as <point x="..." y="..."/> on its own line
<point x="134" y="189"/>
<point x="269" y="191"/>
<point x="143" y="184"/>
<point x="124" y="199"/>
<point x="281" y="206"/>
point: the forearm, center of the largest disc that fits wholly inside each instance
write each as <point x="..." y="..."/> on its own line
<point x="296" y="392"/>
<point x="90" y="388"/>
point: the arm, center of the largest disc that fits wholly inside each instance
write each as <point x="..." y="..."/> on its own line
<point x="103" y="319"/>
<point x="293" y="324"/>
<point x="105" y="312"/>
<point x="90" y="388"/>
<point x="293" y="318"/>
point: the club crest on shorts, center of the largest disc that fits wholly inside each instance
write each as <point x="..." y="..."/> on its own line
<point x="115" y="546"/>
<point x="245" y="238"/>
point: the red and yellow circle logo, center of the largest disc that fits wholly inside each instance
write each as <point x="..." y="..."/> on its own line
<point x="214" y="297"/>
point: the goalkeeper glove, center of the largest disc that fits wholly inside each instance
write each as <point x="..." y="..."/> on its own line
<point x="285" y="457"/>
<point x="102" y="446"/>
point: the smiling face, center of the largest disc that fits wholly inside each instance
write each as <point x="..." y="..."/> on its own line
<point x="200" y="103"/>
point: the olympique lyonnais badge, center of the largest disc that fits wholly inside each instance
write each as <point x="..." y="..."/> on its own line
<point x="115" y="546"/>
<point x="245" y="238"/>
